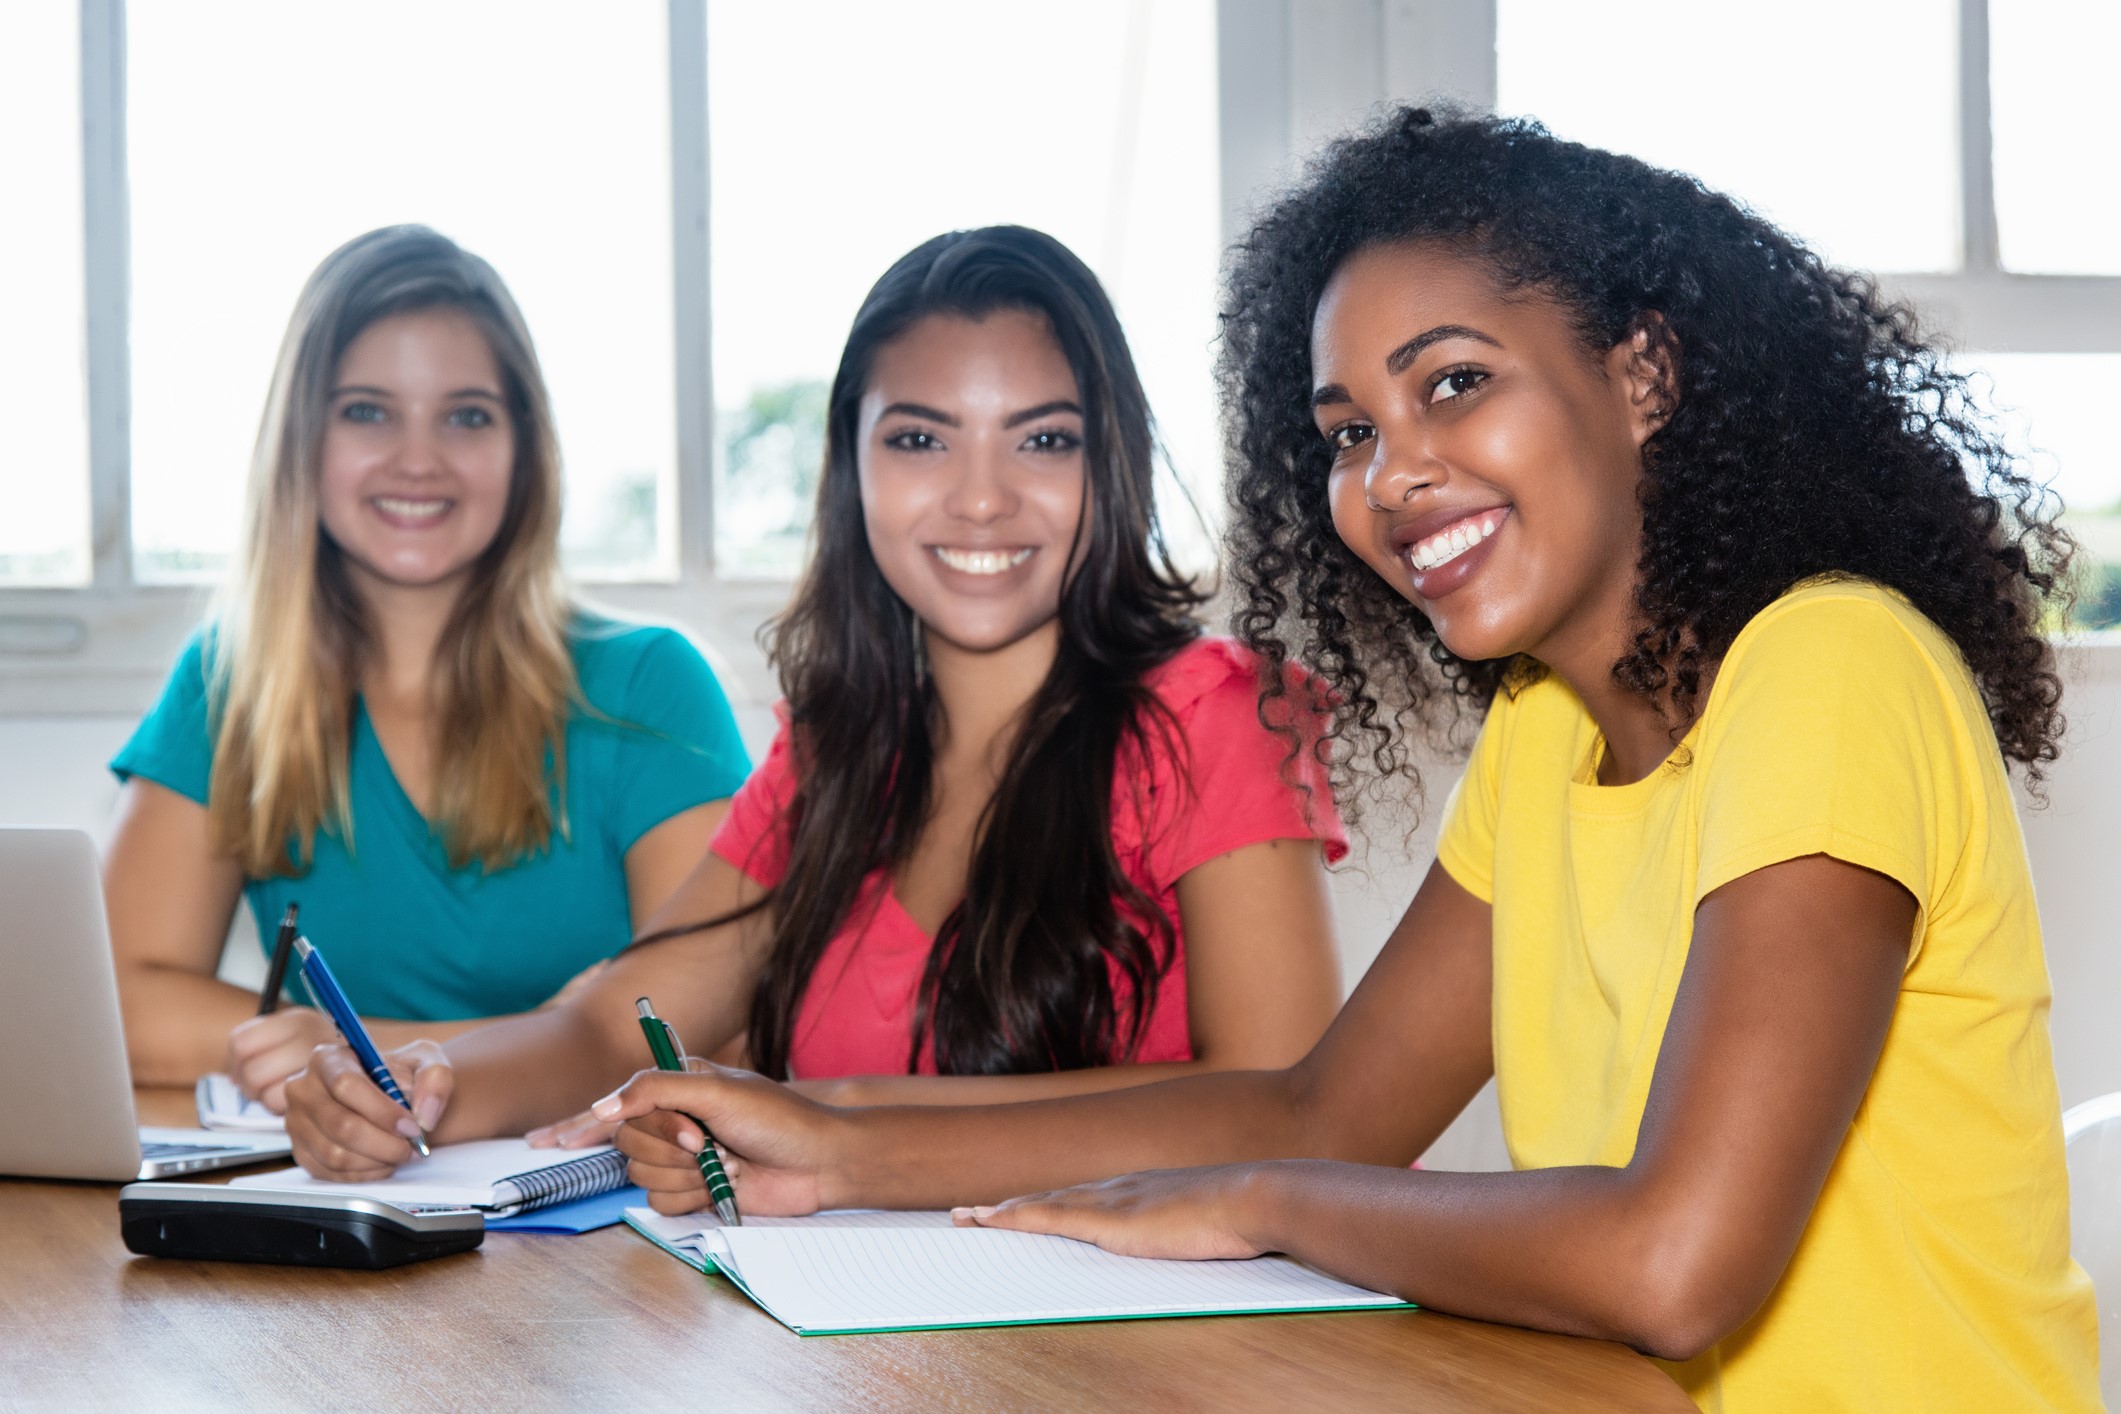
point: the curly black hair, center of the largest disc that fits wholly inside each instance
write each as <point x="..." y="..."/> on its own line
<point x="1815" y="430"/>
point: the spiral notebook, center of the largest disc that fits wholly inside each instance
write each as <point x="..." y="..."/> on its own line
<point x="849" y="1273"/>
<point x="502" y="1177"/>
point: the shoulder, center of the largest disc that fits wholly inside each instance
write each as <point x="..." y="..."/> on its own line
<point x="627" y="668"/>
<point x="1210" y="674"/>
<point x="1843" y="633"/>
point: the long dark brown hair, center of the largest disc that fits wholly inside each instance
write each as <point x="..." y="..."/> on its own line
<point x="1021" y="975"/>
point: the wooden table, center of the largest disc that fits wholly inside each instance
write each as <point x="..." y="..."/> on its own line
<point x="605" y="1318"/>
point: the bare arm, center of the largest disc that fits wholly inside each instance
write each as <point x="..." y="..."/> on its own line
<point x="1400" y="1061"/>
<point x="1789" y="989"/>
<point x="512" y="1074"/>
<point x="170" y="896"/>
<point x="1262" y="984"/>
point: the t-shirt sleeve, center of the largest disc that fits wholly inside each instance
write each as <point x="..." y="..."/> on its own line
<point x="173" y="746"/>
<point x="754" y="835"/>
<point x="1465" y="845"/>
<point x="678" y="745"/>
<point x="1844" y="732"/>
<point x="1239" y="786"/>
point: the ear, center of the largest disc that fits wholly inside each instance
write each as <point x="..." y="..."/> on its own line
<point x="1645" y="368"/>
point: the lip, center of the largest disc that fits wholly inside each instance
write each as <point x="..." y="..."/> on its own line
<point x="1446" y="578"/>
<point x="403" y="522"/>
<point x="1413" y="532"/>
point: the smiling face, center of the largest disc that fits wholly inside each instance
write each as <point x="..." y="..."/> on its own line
<point x="971" y="461"/>
<point x="1486" y="464"/>
<point x="418" y="451"/>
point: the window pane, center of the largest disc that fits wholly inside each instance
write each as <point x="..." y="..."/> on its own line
<point x="1838" y="122"/>
<point x="1095" y="124"/>
<point x="2056" y="124"/>
<point x="2053" y="407"/>
<point x="265" y="134"/>
<point x="44" y="528"/>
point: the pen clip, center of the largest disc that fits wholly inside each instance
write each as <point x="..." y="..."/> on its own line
<point x="677" y="1047"/>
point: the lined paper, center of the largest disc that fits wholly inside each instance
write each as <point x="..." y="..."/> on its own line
<point x="840" y="1273"/>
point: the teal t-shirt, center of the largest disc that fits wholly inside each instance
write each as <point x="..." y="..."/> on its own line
<point x="409" y="937"/>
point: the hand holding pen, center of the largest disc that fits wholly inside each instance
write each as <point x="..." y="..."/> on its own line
<point x="265" y="1049"/>
<point x="670" y="1055"/>
<point x="325" y="988"/>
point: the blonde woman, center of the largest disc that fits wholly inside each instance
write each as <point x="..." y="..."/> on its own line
<point x="397" y="716"/>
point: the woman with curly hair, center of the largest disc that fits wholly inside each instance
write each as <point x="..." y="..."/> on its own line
<point x="1732" y="900"/>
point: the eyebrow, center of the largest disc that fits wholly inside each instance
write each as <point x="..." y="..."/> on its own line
<point x="918" y="410"/>
<point x="488" y="394"/>
<point x="1402" y="358"/>
<point x="1018" y="419"/>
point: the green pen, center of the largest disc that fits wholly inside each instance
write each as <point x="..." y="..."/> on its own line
<point x="669" y="1055"/>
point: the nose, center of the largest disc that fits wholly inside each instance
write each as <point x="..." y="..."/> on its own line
<point x="418" y="452"/>
<point x="980" y="492"/>
<point x="1399" y="466"/>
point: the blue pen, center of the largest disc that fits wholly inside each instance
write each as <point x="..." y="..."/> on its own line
<point x="325" y="988"/>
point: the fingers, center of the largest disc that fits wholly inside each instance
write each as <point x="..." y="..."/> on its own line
<point x="574" y="1132"/>
<point x="343" y="1128"/>
<point x="661" y="1161"/>
<point x="264" y="1050"/>
<point x="432" y="1080"/>
<point x="652" y="1090"/>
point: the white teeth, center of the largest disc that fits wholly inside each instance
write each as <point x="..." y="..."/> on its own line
<point x="406" y="509"/>
<point x="981" y="561"/>
<point x="1447" y="545"/>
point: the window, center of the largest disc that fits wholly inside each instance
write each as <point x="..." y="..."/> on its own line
<point x="44" y="529"/>
<point x="1765" y="111"/>
<point x="262" y="135"/>
<point x="1991" y="227"/>
<point x="1097" y="128"/>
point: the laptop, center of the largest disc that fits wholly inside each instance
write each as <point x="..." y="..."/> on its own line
<point x="69" y="1106"/>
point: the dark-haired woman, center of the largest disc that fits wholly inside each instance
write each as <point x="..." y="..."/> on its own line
<point x="1022" y="834"/>
<point x="1732" y="900"/>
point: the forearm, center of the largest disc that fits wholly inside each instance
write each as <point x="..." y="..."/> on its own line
<point x="996" y="1089"/>
<point x="934" y="1156"/>
<point x="519" y="1072"/>
<point x="177" y="1022"/>
<point x="1585" y="1251"/>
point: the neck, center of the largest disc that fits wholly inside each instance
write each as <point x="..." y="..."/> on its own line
<point x="984" y="692"/>
<point x="405" y="623"/>
<point x="1639" y="731"/>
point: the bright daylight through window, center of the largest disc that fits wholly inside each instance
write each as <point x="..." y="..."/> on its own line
<point x="915" y="120"/>
<point x="1746" y="130"/>
<point x="44" y="534"/>
<point x="263" y="134"/>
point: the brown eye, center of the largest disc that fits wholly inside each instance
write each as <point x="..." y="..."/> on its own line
<point x="1349" y="436"/>
<point x="1455" y="382"/>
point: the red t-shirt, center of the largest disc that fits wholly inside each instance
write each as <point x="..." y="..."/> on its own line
<point x="856" y="1016"/>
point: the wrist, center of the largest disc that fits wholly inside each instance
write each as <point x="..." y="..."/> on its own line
<point x="1258" y="1204"/>
<point x="845" y="1158"/>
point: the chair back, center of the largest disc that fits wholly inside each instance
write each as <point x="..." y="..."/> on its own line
<point x="2091" y="1137"/>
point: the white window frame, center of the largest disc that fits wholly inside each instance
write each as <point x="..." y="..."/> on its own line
<point x="1292" y="73"/>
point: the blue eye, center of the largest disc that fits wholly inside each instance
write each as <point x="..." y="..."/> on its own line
<point x="471" y="416"/>
<point x="362" y="411"/>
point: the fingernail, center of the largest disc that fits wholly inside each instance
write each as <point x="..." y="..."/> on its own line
<point x="606" y="1108"/>
<point x="980" y="1215"/>
<point x="961" y="1215"/>
<point x="428" y="1111"/>
<point x="407" y="1128"/>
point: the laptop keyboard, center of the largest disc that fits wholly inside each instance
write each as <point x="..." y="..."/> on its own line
<point x="154" y="1151"/>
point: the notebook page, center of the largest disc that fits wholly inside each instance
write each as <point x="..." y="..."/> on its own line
<point x="457" y="1174"/>
<point x="864" y="1279"/>
<point x="222" y="1106"/>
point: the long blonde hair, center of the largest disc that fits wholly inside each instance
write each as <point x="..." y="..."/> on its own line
<point x="291" y="632"/>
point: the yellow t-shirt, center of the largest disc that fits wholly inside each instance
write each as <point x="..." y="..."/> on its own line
<point x="1935" y="1272"/>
